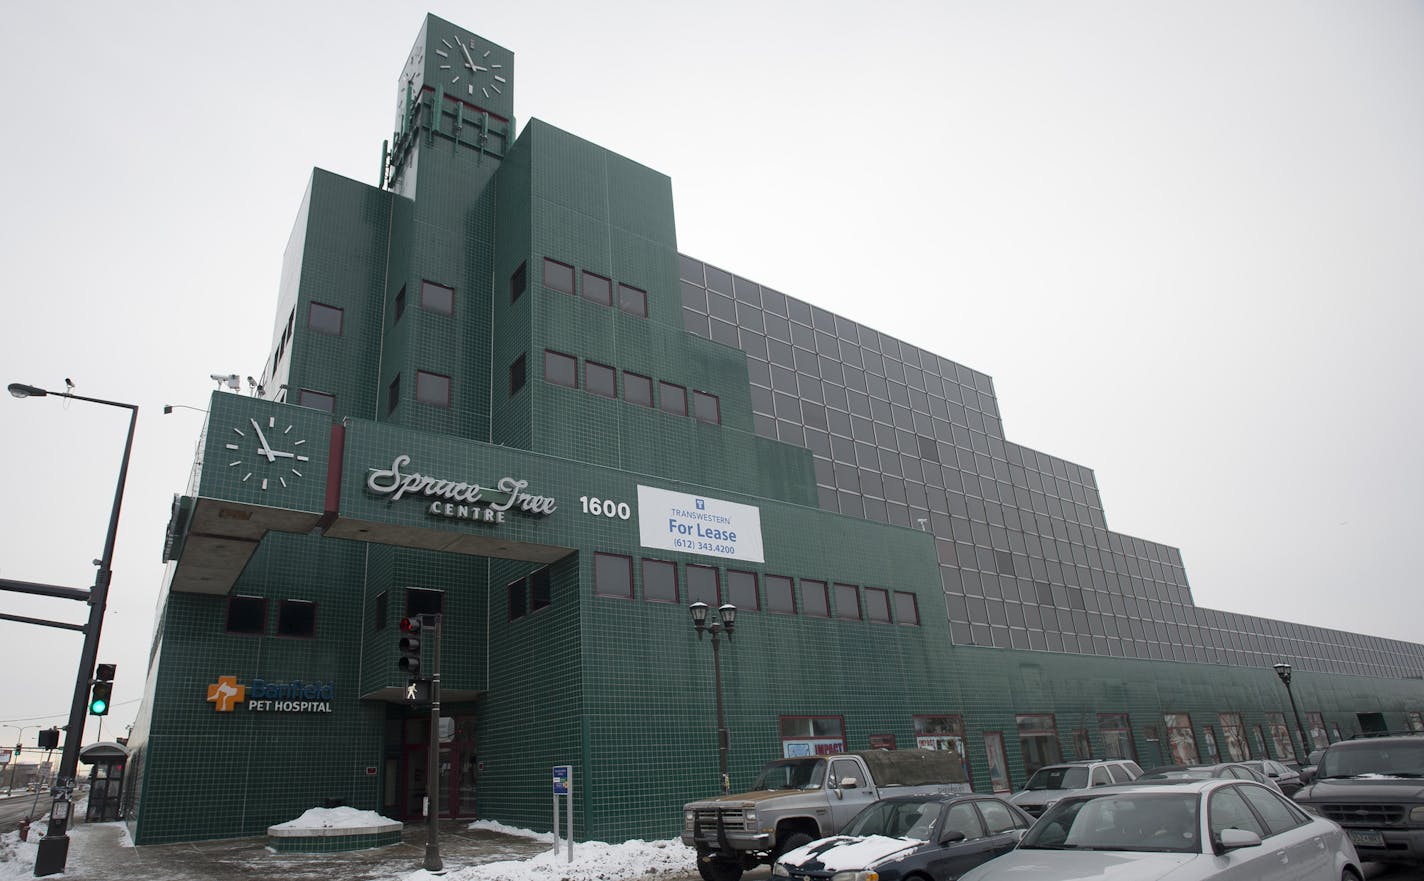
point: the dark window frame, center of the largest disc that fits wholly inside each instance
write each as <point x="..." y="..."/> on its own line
<point x="584" y="276"/>
<point x="424" y="592"/>
<point x="399" y="305"/>
<point x="518" y="374"/>
<point x="519" y="281"/>
<point x="698" y="396"/>
<point x="716" y="582"/>
<point x="382" y="600"/>
<point x="859" y="610"/>
<point x="914" y="607"/>
<point x="824" y="592"/>
<point x="449" y="388"/>
<point x="541" y="590"/>
<point x="676" y="581"/>
<point x="425" y="304"/>
<point x="283" y="606"/>
<point x="227" y="619"/>
<point x="641" y="297"/>
<point x="573" y="276"/>
<point x="756" y="590"/>
<point x="884" y="594"/>
<point x="314" y="325"/>
<point x="598" y="590"/>
<point x="393" y="395"/>
<point x="664" y="384"/>
<point x="518" y="599"/>
<point x="551" y="353"/>
<point x="328" y="397"/>
<point x="612" y="377"/>
<point x="790" y="592"/>
<point x="639" y="379"/>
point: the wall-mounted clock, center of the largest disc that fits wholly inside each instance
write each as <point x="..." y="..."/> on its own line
<point x="272" y="456"/>
<point x="469" y="68"/>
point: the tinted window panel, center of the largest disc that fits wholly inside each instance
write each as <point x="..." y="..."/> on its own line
<point x="779" y="595"/>
<point x="659" y="581"/>
<point x="702" y="586"/>
<point x="559" y="276"/>
<point x="598" y="289"/>
<point x="742" y="590"/>
<point x="706" y="408"/>
<point x="633" y="300"/>
<point x="637" y="389"/>
<point x="612" y="576"/>
<point x="560" y="369"/>
<point x="847" y="601"/>
<point x="324" y="319"/>
<point x="600" y="380"/>
<point x="432" y="388"/>
<point x="815" y="600"/>
<point x="672" y="398"/>
<point x="437" y="298"/>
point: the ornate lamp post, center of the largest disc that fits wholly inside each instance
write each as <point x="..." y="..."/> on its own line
<point x="1284" y="671"/>
<point x="728" y="615"/>
<point x="54" y="847"/>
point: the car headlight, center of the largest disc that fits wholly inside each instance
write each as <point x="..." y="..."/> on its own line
<point x="749" y="815"/>
<point x="780" y="871"/>
<point x="687" y="819"/>
<point x="857" y="875"/>
<point x="1416" y="815"/>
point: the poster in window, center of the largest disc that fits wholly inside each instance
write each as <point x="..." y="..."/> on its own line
<point x="1416" y="722"/>
<point x="882" y="741"/>
<point x="998" y="763"/>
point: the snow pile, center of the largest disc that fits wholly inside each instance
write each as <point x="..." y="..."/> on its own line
<point x="335" y="818"/>
<point x="593" y="861"/>
<point x="17" y="858"/>
<point x="497" y="826"/>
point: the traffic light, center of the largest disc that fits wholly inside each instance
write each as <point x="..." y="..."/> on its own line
<point x="49" y="738"/>
<point x="409" y="661"/>
<point x="103" y="687"/>
<point x="17" y="749"/>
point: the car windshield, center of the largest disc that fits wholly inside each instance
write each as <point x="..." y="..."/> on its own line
<point x="1154" y="822"/>
<point x="897" y="819"/>
<point x="1385" y="759"/>
<point x="791" y="774"/>
<point x="1059" y="777"/>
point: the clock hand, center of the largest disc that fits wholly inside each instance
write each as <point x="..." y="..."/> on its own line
<point x="466" y="52"/>
<point x="265" y="449"/>
<point x="274" y="453"/>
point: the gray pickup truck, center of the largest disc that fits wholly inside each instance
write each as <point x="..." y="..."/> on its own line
<point x="797" y="800"/>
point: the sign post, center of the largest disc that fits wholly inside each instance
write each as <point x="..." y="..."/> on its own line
<point x="564" y="785"/>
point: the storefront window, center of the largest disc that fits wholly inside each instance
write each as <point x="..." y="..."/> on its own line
<point x="1315" y="722"/>
<point x="1182" y="743"/>
<point x="1038" y="741"/>
<point x="998" y="763"/>
<point x="1116" y="732"/>
<point x="1416" y="721"/>
<point x="1234" y="733"/>
<point x="812" y="735"/>
<point x="1280" y="737"/>
<point x="1209" y="745"/>
<point x="943" y="732"/>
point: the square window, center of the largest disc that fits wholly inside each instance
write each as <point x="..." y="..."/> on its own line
<point x="518" y="374"/>
<point x="633" y="300"/>
<point x="672" y="398"/>
<point x="779" y="595"/>
<point x="742" y="590"/>
<point x="637" y="389"/>
<point x="559" y="276"/>
<point x="541" y="588"/>
<point x="659" y="581"/>
<point x="519" y="281"/>
<point x="847" y="601"/>
<point x="420" y="601"/>
<point x="702" y="586"/>
<point x="877" y="604"/>
<point x="437" y="298"/>
<point x="815" y="600"/>
<point x="393" y="395"/>
<point x="316" y="400"/>
<point x="296" y="618"/>
<point x="600" y="379"/>
<point x="432" y="388"/>
<point x="613" y="575"/>
<point x="324" y="319"/>
<point x="246" y="614"/>
<point x="560" y="369"/>
<point x="518" y="599"/>
<point x="597" y="288"/>
<point x="706" y="408"/>
<point x="400" y="303"/>
<point x="907" y="609"/>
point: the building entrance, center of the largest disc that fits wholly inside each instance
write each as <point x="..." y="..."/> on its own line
<point x="458" y="772"/>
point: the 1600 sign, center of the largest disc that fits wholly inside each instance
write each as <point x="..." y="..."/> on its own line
<point x="605" y="508"/>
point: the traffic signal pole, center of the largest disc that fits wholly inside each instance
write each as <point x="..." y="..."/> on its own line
<point x="432" y="764"/>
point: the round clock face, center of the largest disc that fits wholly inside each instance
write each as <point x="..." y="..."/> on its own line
<point x="468" y="69"/>
<point x="271" y="456"/>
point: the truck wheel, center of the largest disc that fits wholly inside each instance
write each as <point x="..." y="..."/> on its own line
<point x="790" y="843"/>
<point x="717" y="869"/>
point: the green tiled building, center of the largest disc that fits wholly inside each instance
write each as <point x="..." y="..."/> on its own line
<point x="496" y="391"/>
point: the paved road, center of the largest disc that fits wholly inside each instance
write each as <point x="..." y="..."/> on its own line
<point x="1373" y="872"/>
<point x="17" y="806"/>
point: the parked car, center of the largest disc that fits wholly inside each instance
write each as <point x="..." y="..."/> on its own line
<point x="1374" y="788"/>
<point x="1052" y="782"/>
<point x="797" y="800"/>
<point x="1286" y="778"/>
<point x="1225" y="770"/>
<point x="1185" y="830"/>
<point x="921" y="837"/>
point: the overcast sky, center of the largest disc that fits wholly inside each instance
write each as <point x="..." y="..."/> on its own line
<point x="1184" y="238"/>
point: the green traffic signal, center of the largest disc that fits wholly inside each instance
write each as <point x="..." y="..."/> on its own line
<point x="99" y="698"/>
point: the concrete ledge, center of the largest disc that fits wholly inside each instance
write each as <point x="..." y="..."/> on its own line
<point x="333" y="839"/>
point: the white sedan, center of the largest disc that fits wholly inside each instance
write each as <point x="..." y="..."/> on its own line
<point x="1183" y="830"/>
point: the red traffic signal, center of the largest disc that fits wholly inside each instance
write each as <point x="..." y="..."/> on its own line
<point x="409" y="660"/>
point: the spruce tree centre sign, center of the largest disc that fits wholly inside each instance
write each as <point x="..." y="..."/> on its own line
<point x="459" y="499"/>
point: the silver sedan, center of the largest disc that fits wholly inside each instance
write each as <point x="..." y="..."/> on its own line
<point x="1184" y="829"/>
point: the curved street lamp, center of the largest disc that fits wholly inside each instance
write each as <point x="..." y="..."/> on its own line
<point x="54" y="847"/>
<point x="727" y="622"/>
<point x="1283" y="670"/>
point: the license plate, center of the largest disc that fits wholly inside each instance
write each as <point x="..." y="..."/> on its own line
<point x="1367" y="839"/>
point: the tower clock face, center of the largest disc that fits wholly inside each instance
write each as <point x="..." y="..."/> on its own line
<point x="270" y="456"/>
<point x="469" y="69"/>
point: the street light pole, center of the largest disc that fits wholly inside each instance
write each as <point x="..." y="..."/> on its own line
<point x="728" y="615"/>
<point x="54" y="847"/>
<point x="1284" y="671"/>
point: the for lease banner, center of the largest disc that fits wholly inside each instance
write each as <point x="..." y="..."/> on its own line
<point x="698" y="525"/>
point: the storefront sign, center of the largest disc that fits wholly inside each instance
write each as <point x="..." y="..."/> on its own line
<point x="698" y="525"/>
<point x="459" y="500"/>
<point x="227" y="694"/>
